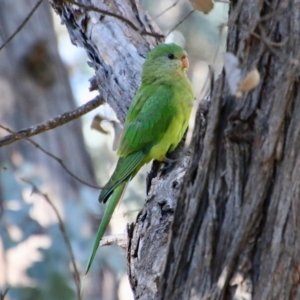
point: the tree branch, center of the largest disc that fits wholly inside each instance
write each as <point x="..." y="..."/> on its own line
<point x="180" y="22"/>
<point x="142" y="30"/>
<point x="52" y="123"/>
<point x="21" y="25"/>
<point x="2" y="295"/>
<point x="167" y="9"/>
<point x="119" y="239"/>
<point x="59" y="160"/>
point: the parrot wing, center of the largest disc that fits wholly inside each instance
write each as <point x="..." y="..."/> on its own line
<point x="125" y="167"/>
<point x="148" y="120"/>
<point x="151" y="122"/>
<point x="141" y="134"/>
<point x="139" y="100"/>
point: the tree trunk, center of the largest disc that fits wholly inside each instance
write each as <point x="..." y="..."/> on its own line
<point x="234" y="233"/>
<point x="116" y="50"/>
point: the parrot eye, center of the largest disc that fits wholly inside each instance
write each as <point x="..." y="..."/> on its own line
<point x="171" y="56"/>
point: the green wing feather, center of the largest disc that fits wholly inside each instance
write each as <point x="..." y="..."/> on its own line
<point x="125" y="167"/>
<point x="151" y="121"/>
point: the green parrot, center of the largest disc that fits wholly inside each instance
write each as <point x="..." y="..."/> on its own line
<point x="155" y="124"/>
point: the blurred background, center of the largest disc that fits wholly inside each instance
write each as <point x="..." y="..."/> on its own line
<point x="43" y="75"/>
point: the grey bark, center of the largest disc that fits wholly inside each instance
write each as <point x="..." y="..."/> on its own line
<point x="235" y="228"/>
<point x="149" y="235"/>
<point x="116" y="51"/>
<point x="235" y="233"/>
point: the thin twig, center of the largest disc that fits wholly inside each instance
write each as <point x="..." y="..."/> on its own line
<point x="52" y="123"/>
<point x="269" y="42"/>
<point x="59" y="160"/>
<point x="275" y="13"/>
<point x="119" y="239"/>
<point x="2" y="295"/>
<point x="143" y="31"/>
<point x="180" y="22"/>
<point x="21" y="25"/>
<point x="64" y="233"/>
<point x="168" y="8"/>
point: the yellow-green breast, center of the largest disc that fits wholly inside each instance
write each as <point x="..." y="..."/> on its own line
<point x="183" y="103"/>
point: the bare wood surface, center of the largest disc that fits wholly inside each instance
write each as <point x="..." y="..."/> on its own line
<point x="235" y="232"/>
<point x="52" y="123"/>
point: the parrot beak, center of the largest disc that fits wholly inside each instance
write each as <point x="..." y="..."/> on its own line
<point x="185" y="62"/>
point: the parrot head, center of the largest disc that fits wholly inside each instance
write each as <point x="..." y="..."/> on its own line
<point x="164" y="62"/>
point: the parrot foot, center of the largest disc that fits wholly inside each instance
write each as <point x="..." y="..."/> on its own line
<point x="170" y="160"/>
<point x="169" y="164"/>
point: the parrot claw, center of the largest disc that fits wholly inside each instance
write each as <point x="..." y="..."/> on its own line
<point x="169" y="164"/>
<point x="170" y="160"/>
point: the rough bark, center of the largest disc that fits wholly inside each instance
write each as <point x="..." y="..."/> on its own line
<point x="148" y="237"/>
<point x="235" y="233"/>
<point x="235" y="230"/>
<point x="115" y="49"/>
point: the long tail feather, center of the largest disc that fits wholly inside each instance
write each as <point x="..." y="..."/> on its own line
<point x="126" y="167"/>
<point x="111" y="205"/>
